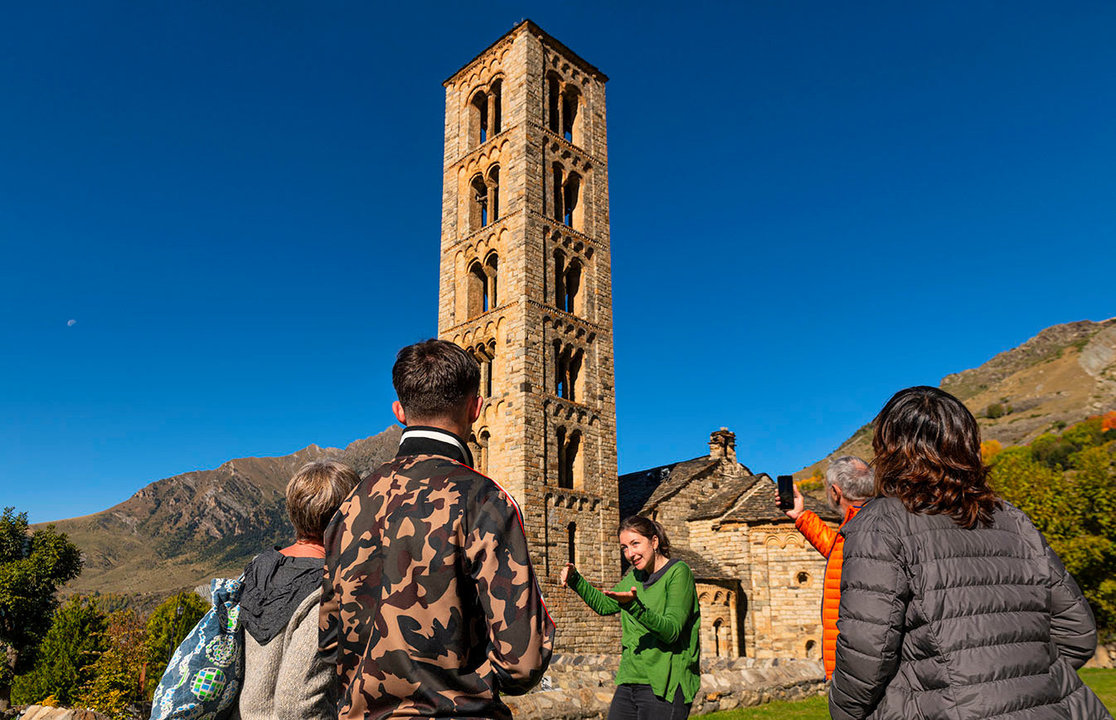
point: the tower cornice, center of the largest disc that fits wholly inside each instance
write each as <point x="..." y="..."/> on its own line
<point x="530" y="26"/>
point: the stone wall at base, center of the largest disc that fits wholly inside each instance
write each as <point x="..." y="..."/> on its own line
<point x="44" y="712"/>
<point x="579" y="687"/>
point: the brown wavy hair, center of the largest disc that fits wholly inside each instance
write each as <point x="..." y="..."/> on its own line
<point x="927" y="447"/>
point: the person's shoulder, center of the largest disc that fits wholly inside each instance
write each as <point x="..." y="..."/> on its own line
<point x="881" y="514"/>
<point x="680" y="569"/>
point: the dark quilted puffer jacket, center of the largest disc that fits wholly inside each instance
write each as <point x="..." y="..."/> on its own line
<point x="937" y="621"/>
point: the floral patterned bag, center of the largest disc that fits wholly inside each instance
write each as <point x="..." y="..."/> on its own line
<point x="203" y="679"/>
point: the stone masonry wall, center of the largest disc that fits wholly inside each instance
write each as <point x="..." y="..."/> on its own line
<point x="581" y="686"/>
<point x="524" y="416"/>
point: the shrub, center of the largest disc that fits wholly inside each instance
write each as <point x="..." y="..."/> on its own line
<point x="167" y="627"/>
<point x="73" y="643"/>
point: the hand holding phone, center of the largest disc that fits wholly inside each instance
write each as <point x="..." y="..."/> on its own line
<point x="786" y="492"/>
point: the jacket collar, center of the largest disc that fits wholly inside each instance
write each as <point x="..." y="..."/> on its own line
<point x="853" y="510"/>
<point x="425" y="440"/>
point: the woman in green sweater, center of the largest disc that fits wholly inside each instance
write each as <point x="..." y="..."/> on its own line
<point x="659" y="671"/>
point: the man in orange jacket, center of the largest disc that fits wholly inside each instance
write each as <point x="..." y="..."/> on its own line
<point x="849" y="482"/>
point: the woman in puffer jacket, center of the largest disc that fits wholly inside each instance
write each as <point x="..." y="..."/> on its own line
<point x="952" y="604"/>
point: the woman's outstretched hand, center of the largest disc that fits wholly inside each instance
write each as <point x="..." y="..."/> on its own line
<point x="623" y="596"/>
<point x="564" y="575"/>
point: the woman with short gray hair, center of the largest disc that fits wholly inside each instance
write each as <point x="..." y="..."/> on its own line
<point x="284" y="675"/>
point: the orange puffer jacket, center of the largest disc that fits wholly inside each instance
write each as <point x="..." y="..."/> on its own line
<point x="829" y="543"/>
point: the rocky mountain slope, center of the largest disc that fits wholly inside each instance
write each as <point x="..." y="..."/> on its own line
<point x="180" y="531"/>
<point x="1060" y="376"/>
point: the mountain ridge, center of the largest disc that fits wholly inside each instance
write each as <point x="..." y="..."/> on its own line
<point x="1061" y="375"/>
<point x="179" y="531"/>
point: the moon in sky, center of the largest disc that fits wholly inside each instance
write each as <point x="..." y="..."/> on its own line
<point x="71" y="322"/>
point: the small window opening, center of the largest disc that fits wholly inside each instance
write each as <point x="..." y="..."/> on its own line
<point x="570" y="102"/>
<point x="574" y="465"/>
<point x="491" y="270"/>
<point x="570" y="285"/>
<point x="810" y="645"/>
<point x="717" y="650"/>
<point x="494" y="193"/>
<point x="559" y="280"/>
<point x="558" y="192"/>
<point x="478" y="203"/>
<point x="476" y="294"/>
<point x="571" y="188"/>
<point x="553" y="103"/>
<point x="482" y="442"/>
<point x="571" y="542"/>
<point x="563" y="477"/>
<point x="478" y="119"/>
<point x="497" y="114"/>
<point x="803" y="578"/>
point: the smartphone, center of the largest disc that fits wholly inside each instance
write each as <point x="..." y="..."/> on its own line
<point x="786" y="492"/>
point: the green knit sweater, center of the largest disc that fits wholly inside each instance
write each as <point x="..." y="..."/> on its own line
<point x="659" y="629"/>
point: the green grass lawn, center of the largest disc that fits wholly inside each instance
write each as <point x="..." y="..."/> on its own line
<point x="1103" y="683"/>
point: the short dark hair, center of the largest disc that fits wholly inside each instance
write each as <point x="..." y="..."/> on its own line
<point x="927" y="447"/>
<point x="648" y="529"/>
<point x="434" y="378"/>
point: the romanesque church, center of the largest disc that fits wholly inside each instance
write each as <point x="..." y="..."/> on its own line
<point x="526" y="288"/>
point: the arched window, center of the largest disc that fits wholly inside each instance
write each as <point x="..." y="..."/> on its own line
<point x="810" y="645"/>
<point x="717" y="649"/>
<point x="478" y="203"/>
<point x="574" y="464"/>
<point x="490" y="381"/>
<point x="567" y="367"/>
<point x="571" y="284"/>
<point x="553" y="103"/>
<point x="478" y="118"/>
<point x="484" y="355"/>
<point x="497" y="113"/>
<point x="571" y="99"/>
<point x="570" y="466"/>
<point x="482" y="457"/>
<point x="491" y="269"/>
<point x="557" y="196"/>
<point x="493" y="194"/>
<point x="559" y="280"/>
<point x="571" y="189"/>
<point x="571" y="542"/>
<point x="560" y="446"/>
<point x="476" y="292"/>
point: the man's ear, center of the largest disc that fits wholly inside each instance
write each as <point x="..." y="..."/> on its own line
<point x="397" y="410"/>
<point x="837" y="494"/>
<point x="475" y="406"/>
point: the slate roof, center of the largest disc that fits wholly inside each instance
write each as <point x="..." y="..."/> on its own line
<point x="702" y="568"/>
<point x="642" y="491"/>
<point x="757" y="505"/>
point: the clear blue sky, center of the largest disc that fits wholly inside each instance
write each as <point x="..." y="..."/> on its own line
<point x="813" y="205"/>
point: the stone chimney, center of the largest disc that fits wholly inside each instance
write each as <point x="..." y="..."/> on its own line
<point x="722" y="445"/>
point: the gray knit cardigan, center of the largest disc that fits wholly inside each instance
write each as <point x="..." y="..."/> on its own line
<point x="287" y="679"/>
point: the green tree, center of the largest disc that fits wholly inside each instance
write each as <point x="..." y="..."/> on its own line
<point x="1075" y="507"/>
<point x="115" y="684"/>
<point x="32" y="566"/>
<point x="73" y="643"/>
<point x="167" y="627"/>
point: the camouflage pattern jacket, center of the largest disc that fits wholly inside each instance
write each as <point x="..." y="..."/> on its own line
<point x="430" y="607"/>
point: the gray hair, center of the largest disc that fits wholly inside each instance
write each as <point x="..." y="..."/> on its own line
<point x="854" y="477"/>
<point x="315" y="493"/>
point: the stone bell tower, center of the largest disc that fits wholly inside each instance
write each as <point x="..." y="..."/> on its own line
<point x="526" y="287"/>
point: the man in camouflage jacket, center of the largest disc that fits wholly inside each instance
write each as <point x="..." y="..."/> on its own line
<point x="430" y="607"/>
